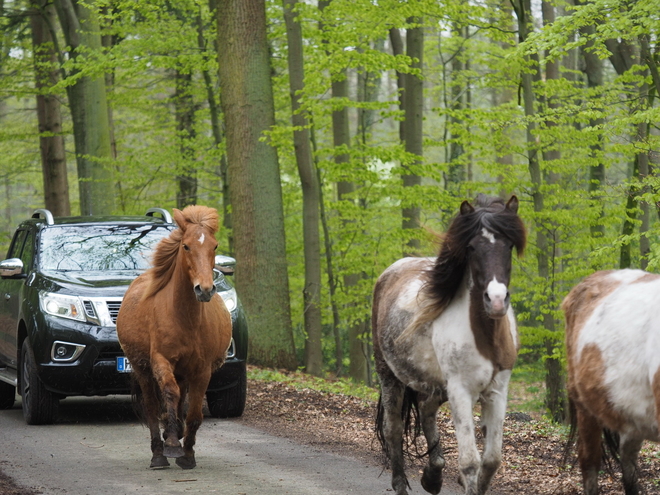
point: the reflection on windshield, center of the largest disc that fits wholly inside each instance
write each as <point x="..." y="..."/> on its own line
<point x="99" y="248"/>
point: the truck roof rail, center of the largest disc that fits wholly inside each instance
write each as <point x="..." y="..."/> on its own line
<point x="48" y="216"/>
<point x="162" y="211"/>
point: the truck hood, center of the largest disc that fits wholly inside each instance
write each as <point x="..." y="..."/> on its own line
<point x="103" y="284"/>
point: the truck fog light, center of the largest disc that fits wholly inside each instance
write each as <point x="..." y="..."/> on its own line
<point x="65" y="352"/>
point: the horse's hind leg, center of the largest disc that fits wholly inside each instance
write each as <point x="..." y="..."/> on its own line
<point x="629" y="450"/>
<point x="428" y="411"/>
<point x="391" y="429"/>
<point x="589" y="450"/>
<point x="196" y="391"/>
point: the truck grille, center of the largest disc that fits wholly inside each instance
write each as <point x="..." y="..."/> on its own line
<point x="113" y="308"/>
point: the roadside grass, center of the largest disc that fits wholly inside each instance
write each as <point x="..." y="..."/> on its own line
<point x="300" y="380"/>
<point x="526" y="389"/>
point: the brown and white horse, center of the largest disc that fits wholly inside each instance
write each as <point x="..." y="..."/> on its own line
<point x="443" y="329"/>
<point x="175" y="330"/>
<point x="613" y="347"/>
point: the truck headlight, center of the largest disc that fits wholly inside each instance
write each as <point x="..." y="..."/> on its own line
<point x="61" y="305"/>
<point x="230" y="298"/>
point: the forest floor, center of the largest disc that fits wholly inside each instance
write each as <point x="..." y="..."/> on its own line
<point x="533" y="449"/>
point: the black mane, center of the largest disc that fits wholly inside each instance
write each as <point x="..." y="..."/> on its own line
<point x="489" y="213"/>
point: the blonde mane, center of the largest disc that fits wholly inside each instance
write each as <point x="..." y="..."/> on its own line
<point x="167" y="250"/>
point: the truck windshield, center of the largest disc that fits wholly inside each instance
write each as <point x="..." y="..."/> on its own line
<point x="93" y="248"/>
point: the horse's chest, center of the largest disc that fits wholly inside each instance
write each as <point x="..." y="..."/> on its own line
<point x="456" y="349"/>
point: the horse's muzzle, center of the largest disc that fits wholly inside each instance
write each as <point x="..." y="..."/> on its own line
<point x="204" y="295"/>
<point x="496" y="307"/>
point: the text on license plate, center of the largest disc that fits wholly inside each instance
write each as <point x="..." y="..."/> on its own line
<point x="123" y="365"/>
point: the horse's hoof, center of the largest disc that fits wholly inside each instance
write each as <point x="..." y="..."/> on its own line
<point x="432" y="480"/>
<point x="159" y="462"/>
<point x="186" y="462"/>
<point x="173" y="451"/>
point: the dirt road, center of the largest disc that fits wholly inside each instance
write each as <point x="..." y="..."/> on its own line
<point x="98" y="447"/>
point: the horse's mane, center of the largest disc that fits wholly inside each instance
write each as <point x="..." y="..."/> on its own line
<point x="444" y="279"/>
<point x="165" y="254"/>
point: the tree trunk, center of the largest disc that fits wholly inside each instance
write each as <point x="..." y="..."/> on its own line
<point x="185" y="127"/>
<point x="554" y="394"/>
<point x="51" y="139"/>
<point x="310" y="191"/>
<point x="414" y="113"/>
<point x="554" y="382"/>
<point x="456" y="170"/>
<point x="594" y="72"/>
<point x="217" y="130"/>
<point x="342" y="138"/>
<point x="89" y="112"/>
<point x="254" y="181"/>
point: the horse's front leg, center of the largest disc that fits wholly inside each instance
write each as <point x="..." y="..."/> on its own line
<point x="171" y="395"/>
<point x="493" y="411"/>
<point x="462" y="402"/>
<point x="151" y="412"/>
<point x="196" y="390"/>
<point x="428" y="411"/>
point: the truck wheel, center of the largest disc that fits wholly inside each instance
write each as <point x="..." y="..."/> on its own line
<point x="7" y="395"/>
<point x="229" y="403"/>
<point x="39" y="405"/>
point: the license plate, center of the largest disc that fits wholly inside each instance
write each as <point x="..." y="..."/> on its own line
<point x="123" y="365"/>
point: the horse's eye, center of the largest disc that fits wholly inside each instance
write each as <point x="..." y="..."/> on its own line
<point x="215" y="248"/>
<point x="186" y="247"/>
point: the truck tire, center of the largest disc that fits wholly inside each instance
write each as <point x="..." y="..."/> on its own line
<point x="39" y="405"/>
<point x="229" y="403"/>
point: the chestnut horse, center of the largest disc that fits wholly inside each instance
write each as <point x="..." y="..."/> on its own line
<point x="443" y="329"/>
<point x="613" y="350"/>
<point x="175" y="330"/>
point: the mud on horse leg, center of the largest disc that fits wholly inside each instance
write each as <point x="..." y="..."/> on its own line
<point x="428" y="410"/>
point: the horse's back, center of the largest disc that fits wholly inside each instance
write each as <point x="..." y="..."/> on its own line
<point x="613" y="346"/>
<point x="396" y="291"/>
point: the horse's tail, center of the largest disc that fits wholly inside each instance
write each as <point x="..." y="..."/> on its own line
<point x="610" y="445"/>
<point x="412" y="425"/>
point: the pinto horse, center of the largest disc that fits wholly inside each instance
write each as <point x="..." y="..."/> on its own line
<point x="613" y="350"/>
<point x="443" y="329"/>
<point x="175" y="331"/>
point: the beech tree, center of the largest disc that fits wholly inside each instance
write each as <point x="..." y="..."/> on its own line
<point x="254" y="179"/>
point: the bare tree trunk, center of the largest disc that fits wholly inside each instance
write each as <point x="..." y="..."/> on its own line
<point x="217" y="130"/>
<point x="254" y="181"/>
<point x="310" y="192"/>
<point x="51" y="139"/>
<point x="185" y="126"/>
<point x="89" y="112"/>
<point x="414" y="139"/>
<point x="456" y="170"/>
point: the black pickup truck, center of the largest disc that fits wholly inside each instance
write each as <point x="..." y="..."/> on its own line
<point x="61" y="287"/>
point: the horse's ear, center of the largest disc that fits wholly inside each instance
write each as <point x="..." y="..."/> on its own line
<point x="179" y="218"/>
<point x="466" y="208"/>
<point x="512" y="204"/>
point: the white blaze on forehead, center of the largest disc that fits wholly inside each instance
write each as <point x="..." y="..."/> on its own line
<point x="496" y="290"/>
<point x="201" y="238"/>
<point x="488" y="235"/>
